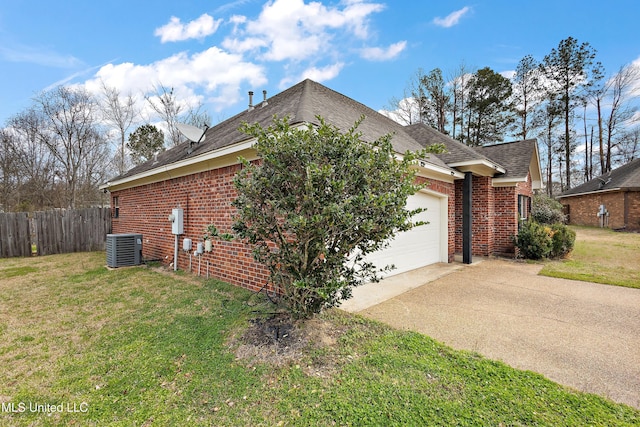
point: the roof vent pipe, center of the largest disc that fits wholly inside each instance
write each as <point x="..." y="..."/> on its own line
<point x="264" y="101"/>
<point x="250" y="100"/>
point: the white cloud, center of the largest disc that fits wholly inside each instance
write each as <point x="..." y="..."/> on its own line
<point x="302" y="36"/>
<point x="508" y="74"/>
<point x="213" y="74"/>
<point x="406" y="111"/>
<point x="231" y="5"/>
<point x="295" y="30"/>
<point x="320" y="75"/>
<point x="38" y="56"/>
<point x="635" y="88"/>
<point x="199" y="28"/>
<point x="452" y="19"/>
<point x="323" y="74"/>
<point x="383" y="54"/>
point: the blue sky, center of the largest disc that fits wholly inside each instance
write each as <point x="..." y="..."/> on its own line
<point x="214" y="52"/>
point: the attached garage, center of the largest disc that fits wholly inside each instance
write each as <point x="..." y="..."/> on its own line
<point x="200" y="180"/>
<point x="420" y="246"/>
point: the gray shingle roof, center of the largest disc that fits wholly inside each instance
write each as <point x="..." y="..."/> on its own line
<point x="515" y="156"/>
<point x="456" y="151"/>
<point x="306" y="100"/>
<point x="624" y="177"/>
<point x="301" y="103"/>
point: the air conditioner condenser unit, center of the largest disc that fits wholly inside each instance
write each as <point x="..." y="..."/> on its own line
<point x="124" y="250"/>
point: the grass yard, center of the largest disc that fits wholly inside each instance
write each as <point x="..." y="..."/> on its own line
<point x="83" y="345"/>
<point x="600" y="256"/>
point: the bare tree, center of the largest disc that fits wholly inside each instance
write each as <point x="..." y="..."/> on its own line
<point x="8" y="172"/>
<point x="527" y="95"/>
<point x="406" y="110"/>
<point x="165" y="103"/>
<point x="35" y="163"/>
<point x="629" y="145"/>
<point x="94" y="171"/>
<point x="459" y="88"/>
<point x="403" y="110"/>
<point x="621" y="111"/>
<point x="548" y="118"/>
<point x="70" y="131"/>
<point x="596" y="97"/>
<point x="120" y="114"/>
<point x="197" y="116"/>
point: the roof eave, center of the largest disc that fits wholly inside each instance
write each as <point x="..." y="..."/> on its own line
<point x="510" y="182"/>
<point x="586" y="193"/>
<point x="167" y="171"/>
<point x="534" y="166"/>
<point x="431" y="171"/>
<point x="478" y="167"/>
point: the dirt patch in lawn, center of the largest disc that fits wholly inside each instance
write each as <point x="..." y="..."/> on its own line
<point x="279" y="340"/>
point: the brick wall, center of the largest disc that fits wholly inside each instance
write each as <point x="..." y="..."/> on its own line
<point x="449" y="190"/>
<point x="506" y="219"/>
<point x="623" y="207"/>
<point x="495" y="216"/>
<point x="483" y="213"/>
<point x="506" y="211"/>
<point x="633" y="210"/>
<point x="205" y="198"/>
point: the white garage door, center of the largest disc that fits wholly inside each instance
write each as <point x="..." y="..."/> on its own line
<point x="421" y="245"/>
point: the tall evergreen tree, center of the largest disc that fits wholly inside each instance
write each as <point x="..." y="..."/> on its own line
<point x="571" y="69"/>
<point x="526" y="95"/>
<point x="436" y="104"/>
<point x="489" y="107"/>
<point x="144" y="142"/>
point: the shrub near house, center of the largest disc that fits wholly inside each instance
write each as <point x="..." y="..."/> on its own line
<point x="544" y="235"/>
<point x="317" y="198"/>
<point x="198" y="178"/>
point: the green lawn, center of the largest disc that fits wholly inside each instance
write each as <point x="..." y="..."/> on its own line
<point x="140" y="347"/>
<point x="600" y="256"/>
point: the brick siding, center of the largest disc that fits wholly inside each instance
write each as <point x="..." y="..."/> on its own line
<point x="495" y="216"/>
<point x="206" y="199"/>
<point x="623" y="207"/>
<point x="449" y="190"/>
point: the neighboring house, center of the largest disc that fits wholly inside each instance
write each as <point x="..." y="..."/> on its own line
<point x="611" y="200"/>
<point x="493" y="185"/>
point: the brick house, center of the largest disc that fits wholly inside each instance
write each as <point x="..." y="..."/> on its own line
<point x="611" y="200"/>
<point x="474" y="198"/>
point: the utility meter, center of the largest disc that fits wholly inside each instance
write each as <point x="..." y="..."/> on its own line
<point x="177" y="221"/>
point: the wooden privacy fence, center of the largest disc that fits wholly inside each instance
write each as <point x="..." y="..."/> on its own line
<point x="54" y="232"/>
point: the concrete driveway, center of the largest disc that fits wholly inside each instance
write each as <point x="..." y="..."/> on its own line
<point x="583" y="335"/>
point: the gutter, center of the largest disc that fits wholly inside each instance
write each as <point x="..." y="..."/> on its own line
<point x="166" y="169"/>
<point x="470" y="164"/>
<point x="612" y="190"/>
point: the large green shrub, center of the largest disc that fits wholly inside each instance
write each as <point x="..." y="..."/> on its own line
<point x="533" y="241"/>
<point x="320" y="200"/>
<point x="545" y="210"/>
<point x="563" y="239"/>
<point x="537" y="241"/>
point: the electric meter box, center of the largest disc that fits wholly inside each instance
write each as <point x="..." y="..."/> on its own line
<point x="177" y="224"/>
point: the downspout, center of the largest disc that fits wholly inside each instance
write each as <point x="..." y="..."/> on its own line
<point x="626" y="209"/>
<point x="466" y="217"/>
